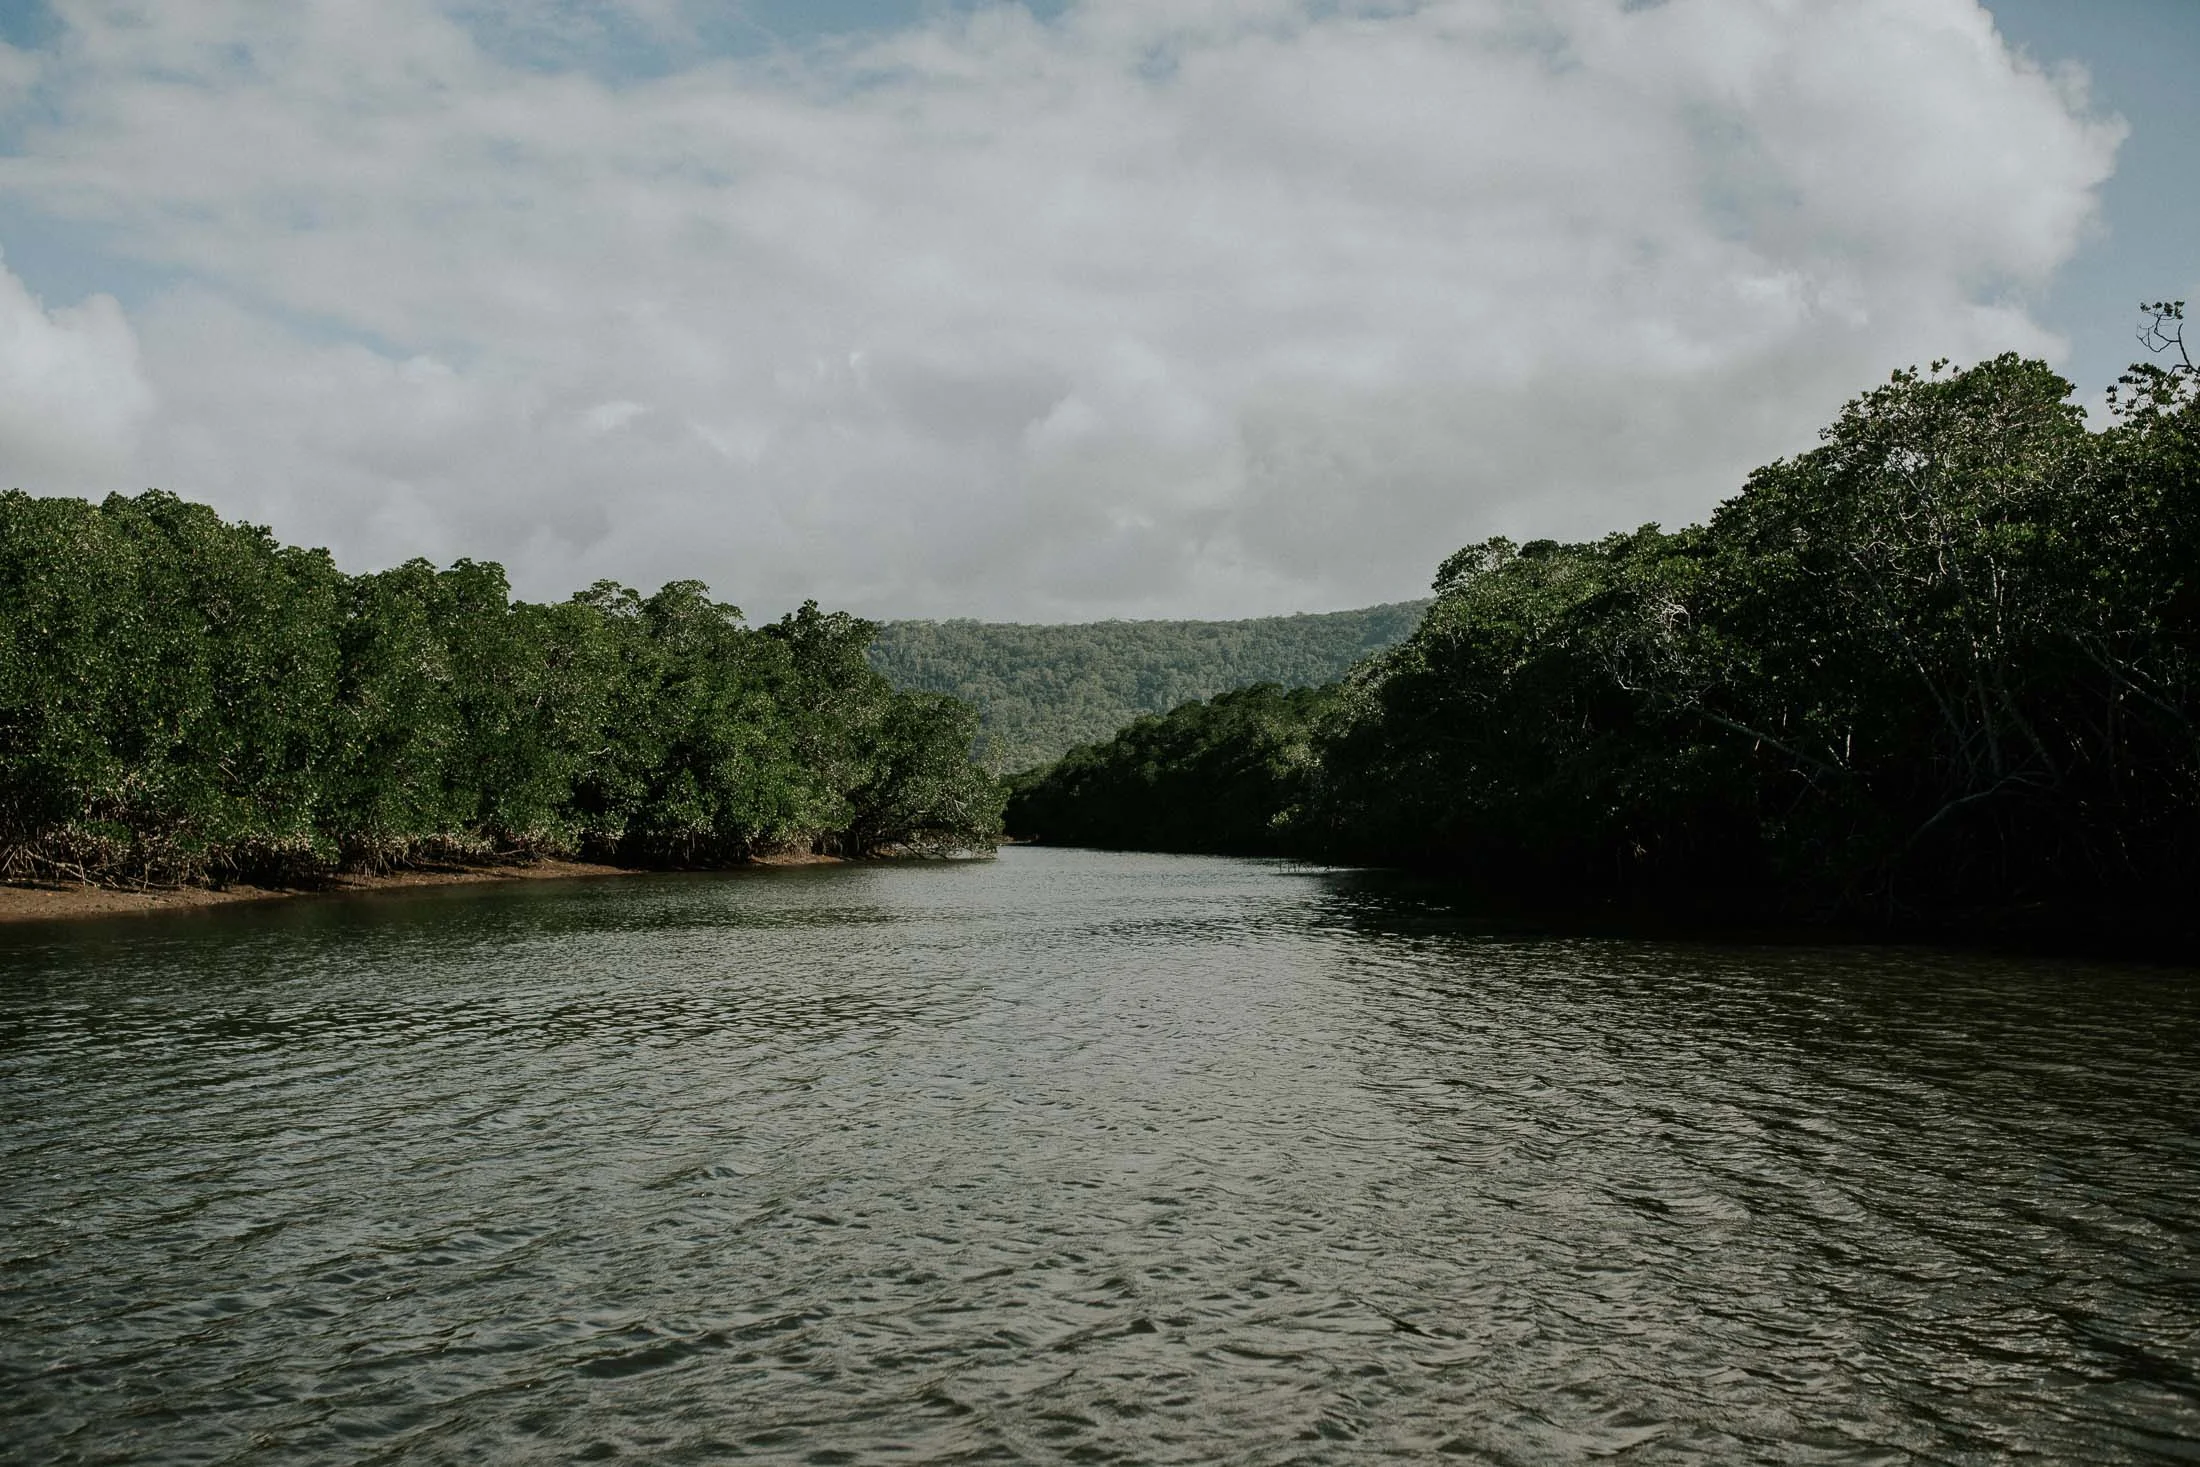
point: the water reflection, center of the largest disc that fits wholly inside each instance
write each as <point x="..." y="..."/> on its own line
<point x="1076" y="1157"/>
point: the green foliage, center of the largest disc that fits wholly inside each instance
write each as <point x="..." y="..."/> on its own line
<point x="1044" y="689"/>
<point x="1520" y="721"/>
<point x="165" y="684"/>
<point x="1224" y="776"/>
<point x="1942" y="664"/>
<point x="184" y="699"/>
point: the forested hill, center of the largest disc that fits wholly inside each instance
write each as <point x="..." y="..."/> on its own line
<point x="1045" y="689"/>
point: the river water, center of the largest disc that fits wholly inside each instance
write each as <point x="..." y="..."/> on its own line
<point x="1071" y="1157"/>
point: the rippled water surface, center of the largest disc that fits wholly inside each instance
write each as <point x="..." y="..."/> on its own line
<point x="1080" y="1158"/>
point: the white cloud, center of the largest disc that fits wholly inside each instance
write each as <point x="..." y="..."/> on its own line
<point x="18" y="75"/>
<point x="71" y="394"/>
<point x="609" y="417"/>
<point x="1163" y="308"/>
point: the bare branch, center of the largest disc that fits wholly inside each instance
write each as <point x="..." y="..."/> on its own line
<point x="2163" y="332"/>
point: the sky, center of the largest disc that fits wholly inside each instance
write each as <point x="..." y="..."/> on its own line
<point x="1041" y="312"/>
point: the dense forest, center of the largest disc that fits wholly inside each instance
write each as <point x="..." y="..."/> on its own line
<point x="184" y="699"/>
<point x="1939" y="669"/>
<point x="1041" y="690"/>
<point x="1224" y="776"/>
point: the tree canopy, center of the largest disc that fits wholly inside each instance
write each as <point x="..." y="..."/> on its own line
<point x="1942" y="664"/>
<point x="1044" y="689"/>
<point x="183" y="698"/>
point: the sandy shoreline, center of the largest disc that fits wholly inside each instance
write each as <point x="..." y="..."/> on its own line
<point x="51" y="902"/>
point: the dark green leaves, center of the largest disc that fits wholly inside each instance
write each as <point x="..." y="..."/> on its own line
<point x="1942" y="665"/>
<point x="183" y="699"/>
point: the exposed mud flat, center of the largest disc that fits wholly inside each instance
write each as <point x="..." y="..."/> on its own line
<point x="59" y="901"/>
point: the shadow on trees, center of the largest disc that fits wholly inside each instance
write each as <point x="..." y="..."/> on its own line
<point x="1936" y="674"/>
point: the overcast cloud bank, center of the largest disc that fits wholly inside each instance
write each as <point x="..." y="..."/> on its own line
<point x="1186" y="308"/>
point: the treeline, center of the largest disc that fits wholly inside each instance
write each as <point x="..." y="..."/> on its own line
<point x="184" y="699"/>
<point x="1042" y="690"/>
<point x="1941" y="668"/>
<point x="1224" y="777"/>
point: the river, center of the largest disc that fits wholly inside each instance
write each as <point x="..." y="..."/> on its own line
<point x="1071" y="1157"/>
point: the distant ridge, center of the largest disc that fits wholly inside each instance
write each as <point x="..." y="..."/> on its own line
<point x="1042" y="690"/>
